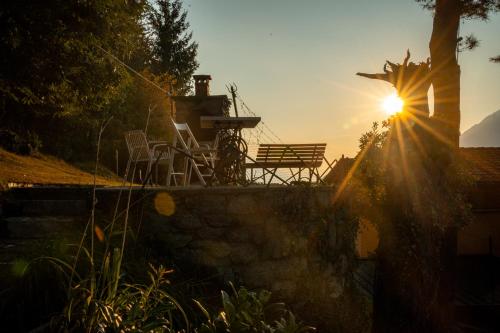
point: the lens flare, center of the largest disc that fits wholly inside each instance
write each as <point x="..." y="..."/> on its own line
<point x="164" y="204"/>
<point x="392" y="104"/>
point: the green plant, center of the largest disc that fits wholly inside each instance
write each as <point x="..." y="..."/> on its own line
<point x="248" y="311"/>
<point x="116" y="306"/>
<point x="99" y="299"/>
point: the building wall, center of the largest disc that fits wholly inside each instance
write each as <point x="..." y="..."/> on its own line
<point x="189" y="109"/>
<point x="481" y="235"/>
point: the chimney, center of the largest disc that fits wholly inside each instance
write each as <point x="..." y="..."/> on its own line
<point x="202" y="85"/>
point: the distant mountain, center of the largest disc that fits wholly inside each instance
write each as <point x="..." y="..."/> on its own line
<point x="484" y="134"/>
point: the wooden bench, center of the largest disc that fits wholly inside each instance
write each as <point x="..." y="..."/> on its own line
<point x="301" y="157"/>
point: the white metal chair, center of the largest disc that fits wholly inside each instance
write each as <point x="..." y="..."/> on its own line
<point x="140" y="150"/>
<point x="200" y="159"/>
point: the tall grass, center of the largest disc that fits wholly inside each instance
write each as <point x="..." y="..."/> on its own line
<point x="101" y="297"/>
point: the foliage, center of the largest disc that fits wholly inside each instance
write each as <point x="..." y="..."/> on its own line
<point x="54" y="78"/>
<point x="145" y="106"/>
<point x="12" y="142"/>
<point x="247" y="311"/>
<point x="34" y="291"/>
<point x="416" y="206"/>
<point x="120" y="307"/>
<point x="64" y="71"/>
<point x="392" y="162"/>
<point x="471" y="9"/>
<point x="173" y="49"/>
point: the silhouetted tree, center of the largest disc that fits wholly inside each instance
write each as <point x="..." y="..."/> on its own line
<point x="422" y="185"/>
<point x="173" y="49"/>
<point x="443" y="45"/>
<point x="412" y="82"/>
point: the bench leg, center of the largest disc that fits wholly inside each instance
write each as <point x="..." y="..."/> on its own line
<point x="272" y="176"/>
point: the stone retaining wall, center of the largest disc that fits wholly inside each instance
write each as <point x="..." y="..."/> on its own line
<point x="288" y="240"/>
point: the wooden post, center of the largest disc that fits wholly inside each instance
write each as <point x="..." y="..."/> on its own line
<point x="233" y="93"/>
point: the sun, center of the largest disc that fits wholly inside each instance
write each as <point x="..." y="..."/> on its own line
<point x="392" y="104"/>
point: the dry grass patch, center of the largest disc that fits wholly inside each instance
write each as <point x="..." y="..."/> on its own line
<point x="44" y="169"/>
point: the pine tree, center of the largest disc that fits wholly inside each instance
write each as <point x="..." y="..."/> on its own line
<point x="173" y="49"/>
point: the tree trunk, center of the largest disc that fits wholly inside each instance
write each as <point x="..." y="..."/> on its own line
<point x="445" y="70"/>
<point x="446" y="120"/>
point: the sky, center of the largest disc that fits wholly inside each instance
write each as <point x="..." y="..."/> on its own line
<point x="294" y="62"/>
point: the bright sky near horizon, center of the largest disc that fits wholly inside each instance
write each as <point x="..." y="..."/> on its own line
<point x="294" y="61"/>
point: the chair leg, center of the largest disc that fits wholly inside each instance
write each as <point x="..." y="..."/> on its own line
<point x="194" y="167"/>
<point x="170" y="170"/>
<point x="148" y="170"/>
<point x="185" y="176"/>
<point x="156" y="173"/>
<point x="127" y="169"/>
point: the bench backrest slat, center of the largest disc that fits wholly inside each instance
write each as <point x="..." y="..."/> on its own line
<point x="291" y="155"/>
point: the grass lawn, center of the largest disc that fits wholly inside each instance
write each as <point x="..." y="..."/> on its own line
<point x="44" y="169"/>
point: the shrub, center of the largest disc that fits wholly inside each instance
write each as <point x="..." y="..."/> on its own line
<point x="248" y="311"/>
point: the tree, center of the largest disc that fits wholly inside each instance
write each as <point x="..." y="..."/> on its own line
<point x="173" y="49"/>
<point x="412" y="82"/>
<point x="443" y="49"/>
<point x="55" y="79"/>
<point x="420" y="186"/>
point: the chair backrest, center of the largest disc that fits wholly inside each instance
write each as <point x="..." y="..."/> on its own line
<point x="184" y="136"/>
<point x="137" y="145"/>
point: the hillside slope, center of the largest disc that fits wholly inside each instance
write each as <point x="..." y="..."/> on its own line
<point x="44" y="169"/>
<point x="484" y="134"/>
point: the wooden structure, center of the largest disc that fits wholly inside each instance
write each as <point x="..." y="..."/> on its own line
<point x="301" y="157"/>
<point x="189" y="109"/>
<point x="233" y="123"/>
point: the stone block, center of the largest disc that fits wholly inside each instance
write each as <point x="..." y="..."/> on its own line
<point x="204" y="258"/>
<point x="242" y="205"/>
<point x="249" y="219"/>
<point x="269" y="271"/>
<point x="285" y="288"/>
<point x="174" y="240"/>
<point x="238" y="235"/>
<point x="335" y="287"/>
<point x="211" y="233"/>
<point x="213" y="248"/>
<point x="186" y="222"/>
<point x="257" y="235"/>
<point x="214" y="204"/>
<point x="218" y="220"/>
<point x="242" y="254"/>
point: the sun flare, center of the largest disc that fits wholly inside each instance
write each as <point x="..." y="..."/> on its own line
<point x="392" y="104"/>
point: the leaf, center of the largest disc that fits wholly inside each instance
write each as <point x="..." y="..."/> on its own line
<point x="203" y="310"/>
